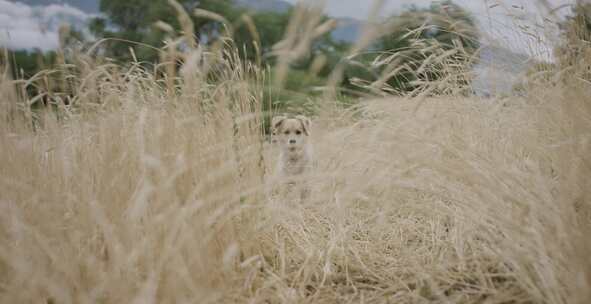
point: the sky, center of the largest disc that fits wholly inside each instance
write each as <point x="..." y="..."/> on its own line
<point x="26" y="27"/>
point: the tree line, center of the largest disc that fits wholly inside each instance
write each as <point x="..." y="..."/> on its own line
<point x="136" y="30"/>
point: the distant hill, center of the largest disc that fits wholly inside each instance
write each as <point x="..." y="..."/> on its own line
<point x="278" y="6"/>
<point x="88" y="6"/>
<point x="92" y="6"/>
<point x="348" y="30"/>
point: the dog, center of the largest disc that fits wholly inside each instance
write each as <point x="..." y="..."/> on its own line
<point x="292" y="136"/>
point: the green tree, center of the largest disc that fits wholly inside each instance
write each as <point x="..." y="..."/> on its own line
<point x="269" y="29"/>
<point x="130" y="23"/>
<point x="414" y="38"/>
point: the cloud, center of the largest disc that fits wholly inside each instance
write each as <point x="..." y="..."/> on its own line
<point x="27" y="27"/>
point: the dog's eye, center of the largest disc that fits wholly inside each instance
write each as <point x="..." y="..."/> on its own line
<point x="298" y="132"/>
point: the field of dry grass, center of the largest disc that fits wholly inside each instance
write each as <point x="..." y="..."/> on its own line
<point x="138" y="193"/>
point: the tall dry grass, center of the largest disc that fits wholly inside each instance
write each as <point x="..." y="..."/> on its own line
<point x="151" y="189"/>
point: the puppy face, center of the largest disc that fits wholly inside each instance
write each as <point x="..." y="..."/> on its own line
<point x="291" y="133"/>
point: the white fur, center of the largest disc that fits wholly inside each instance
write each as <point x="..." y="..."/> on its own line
<point x="292" y="135"/>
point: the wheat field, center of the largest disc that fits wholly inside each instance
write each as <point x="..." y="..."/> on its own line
<point x="151" y="188"/>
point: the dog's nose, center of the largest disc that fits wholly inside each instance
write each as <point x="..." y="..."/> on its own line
<point x="292" y="141"/>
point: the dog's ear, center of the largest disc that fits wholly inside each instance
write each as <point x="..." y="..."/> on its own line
<point x="276" y="122"/>
<point x="306" y="123"/>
